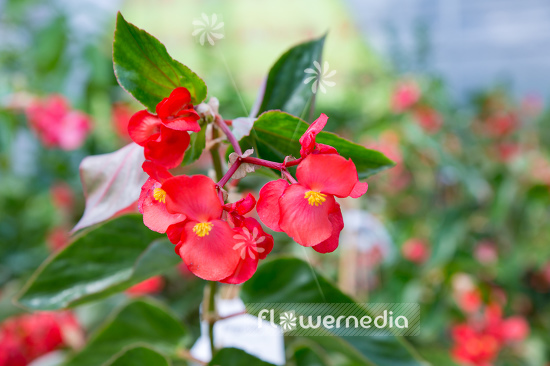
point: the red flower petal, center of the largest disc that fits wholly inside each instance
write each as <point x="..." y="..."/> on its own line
<point x="265" y="245"/>
<point x="185" y="121"/>
<point x="242" y="206"/>
<point x="210" y="257"/>
<point x="331" y="243"/>
<point x="194" y="197"/>
<point x="252" y="244"/>
<point x="307" y="224"/>
<point x="169" y="149"/>
<point x="324" y="149"/>
<point x="176" y="233"/>
<point x="308" y="138"/>
<point x="177" y="113"/>
<point x="179" y="99"/>
<point x="329" y="173"/>
<point x="143" y="127"/>
<point x="244" y="271"/>
<point x="157" y="172"/>
<point x="359" y="189"/>
<point x="155" y="215"/>
<point x="268" y="203"/>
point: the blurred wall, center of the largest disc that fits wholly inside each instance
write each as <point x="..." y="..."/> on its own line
<point x="472" y="43"/>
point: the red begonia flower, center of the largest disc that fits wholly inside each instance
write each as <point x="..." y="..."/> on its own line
<point x="163" y="145"/>
<point x="205" y="242"/>
<point x="165" y="136"/>
<point x="252" y="243"/>
<point x="177" y="113"/>
<point x="307" y="211"/>
<point x="238" y="209"/>
<point x="152" y="200"/>
<point x="56" y="125"/>
<point x="307" y="141"/>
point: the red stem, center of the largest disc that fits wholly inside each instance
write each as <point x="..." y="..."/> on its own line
<point x="221" y="123"/>
<point x="262" y="162"/>
<point x="229" y="173"/>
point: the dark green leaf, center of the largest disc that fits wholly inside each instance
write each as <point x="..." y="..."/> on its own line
<point x="196" y="146"/>
<point x="139" y="356"/>
<point x="145" y="69"/>
<point x="140" y="322"/>
<point x="305" y="356"/>
<point x="104" y="260"/>
<point x="287" y="280"/>
<point x="285" y="88"/>
<point x="234" y="356"/>
<point x="275" y="135"/>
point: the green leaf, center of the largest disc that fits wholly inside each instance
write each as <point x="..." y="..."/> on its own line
<point x="139" y="356"/>
<point x="144" y="68"/>
<point x="275" y="135"/>
<point x="288" y="280"/>
<point x="285" y="88"/>
<point x="234" y="356"/>
<point x="140" y="322"/>
<point x="305" y="356"/>
<point x="196" y="146"/>
<point x="104" y="260"/>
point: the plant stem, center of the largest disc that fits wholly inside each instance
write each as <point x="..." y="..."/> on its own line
<point x="289" y="176"/>
<point x="229" y="173"/>
<point x="271" y="164"/>
<point x="212" y="286"/>
<point x="210" y="314"/>
<point x="223" y="126"/>
<point x="215" y="153"/>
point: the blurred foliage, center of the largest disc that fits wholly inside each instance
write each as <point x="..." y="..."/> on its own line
<point x="456" y="186"/>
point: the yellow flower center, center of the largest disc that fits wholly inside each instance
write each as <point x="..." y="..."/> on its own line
<point x="159" y="194"/>
<point x="202" y="228"/>
<point x="315" y="198"/>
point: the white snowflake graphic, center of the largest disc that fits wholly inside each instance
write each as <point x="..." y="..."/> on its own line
<point x="248" y="242"/>
<point x="208" y="29"/>
<point x="287" y="320"/>
<point x="320" y="75"/>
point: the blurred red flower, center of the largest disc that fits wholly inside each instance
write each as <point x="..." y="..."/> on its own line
<point x="479" y="341"/>
<point x="26" y="337"/>
<point x="121" y="114"/>
<point x="416" y="250"/>
<point x="428" y="118"/>
<point x="151" y="285"/>
<point x="405" y="95"/>
<point x="55" y="124"/>
<point x="58" y="238"/>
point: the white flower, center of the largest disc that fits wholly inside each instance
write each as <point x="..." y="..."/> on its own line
<point x="320" y="75"/>
<point x="206" y="28"/>
<point x="287" y="320"/>
<point x="248" y="243"/>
